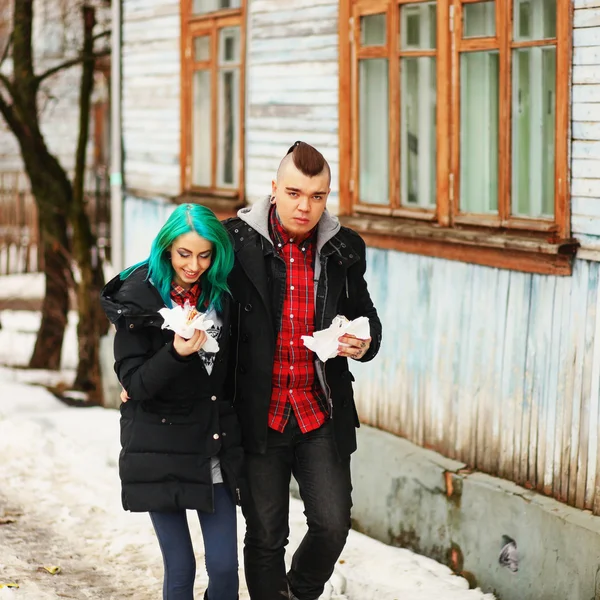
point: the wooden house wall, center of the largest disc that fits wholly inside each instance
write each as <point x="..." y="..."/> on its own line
<point x="585" y="150"/>
<point x="292" y="86"/>
<point x="151" y="96"/>
<point x="497" y="368"/>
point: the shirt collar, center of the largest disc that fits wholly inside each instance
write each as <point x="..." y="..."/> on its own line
<point x="180" y="294"/>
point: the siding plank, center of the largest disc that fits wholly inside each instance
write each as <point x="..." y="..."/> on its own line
<point x="585" y="397"/>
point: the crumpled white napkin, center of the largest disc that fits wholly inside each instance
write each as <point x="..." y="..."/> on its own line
<point x="325" y="343"/>
<point x="179" y="320"/>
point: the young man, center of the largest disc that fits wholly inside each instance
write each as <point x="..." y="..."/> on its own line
<point x="296" y="268"/>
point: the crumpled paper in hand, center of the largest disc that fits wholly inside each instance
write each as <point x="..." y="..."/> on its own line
<point x="325" y="343"/>
<point x="185" y="320"/>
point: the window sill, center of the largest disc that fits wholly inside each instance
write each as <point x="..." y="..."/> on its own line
<point x="224" y="208"/>
<point x="516" y="250"/>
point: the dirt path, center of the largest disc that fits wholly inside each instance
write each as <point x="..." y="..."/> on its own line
<point x="27" y="545"/>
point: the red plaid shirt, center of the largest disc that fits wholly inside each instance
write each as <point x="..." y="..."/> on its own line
<point x="179" y="294"/>
<point x="294" y="384"/>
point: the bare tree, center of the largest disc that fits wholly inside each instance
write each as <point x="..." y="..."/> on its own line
<point x="60" y="202"/>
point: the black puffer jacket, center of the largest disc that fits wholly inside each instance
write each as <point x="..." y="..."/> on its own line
<point x="178" y="416"/>
<point x="257" y="283"/>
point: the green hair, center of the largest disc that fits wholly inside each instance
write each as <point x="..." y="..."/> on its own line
<point x="185" y="219"/>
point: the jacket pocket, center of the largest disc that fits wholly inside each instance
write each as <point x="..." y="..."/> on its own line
<point x="143" y="431"/>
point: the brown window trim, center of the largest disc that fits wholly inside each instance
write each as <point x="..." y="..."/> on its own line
<point x="538" y="246"/>
<point x="192" y="25"/>
<point x="477" y="245"/>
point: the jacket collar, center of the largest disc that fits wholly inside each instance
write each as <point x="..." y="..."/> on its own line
<point x="130" y="297"/>
<point x="257" y="217"/>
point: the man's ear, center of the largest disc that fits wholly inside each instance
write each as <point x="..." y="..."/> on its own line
<point x="273" y="191"/>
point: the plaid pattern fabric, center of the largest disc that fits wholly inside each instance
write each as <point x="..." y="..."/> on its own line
<point x="179" y="295"/>
<point x="293" y="369"/>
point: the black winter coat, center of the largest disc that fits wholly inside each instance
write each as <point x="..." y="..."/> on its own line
<point x="178" y="416"/>
<point x="257" y="283"/>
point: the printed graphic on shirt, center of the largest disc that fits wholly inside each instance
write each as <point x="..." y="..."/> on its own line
<point x="208" y="358"/>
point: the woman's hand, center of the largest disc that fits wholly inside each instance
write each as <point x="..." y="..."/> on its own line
<point x="185" y="347"/>
<point x="353" y="347"/>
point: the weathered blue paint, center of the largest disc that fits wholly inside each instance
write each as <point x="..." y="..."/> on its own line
<point x="495" y="368"/>
<point x="142" y="221"/>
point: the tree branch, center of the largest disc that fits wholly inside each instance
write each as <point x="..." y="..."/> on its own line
<point x="102" y="34"/>
<point x="6" y="110"/>
<point x="6" y="49"/>
<point x="5" y="81"/>
<point x="70" y="63"/>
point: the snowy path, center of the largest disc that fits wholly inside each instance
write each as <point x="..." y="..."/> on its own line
<point x="28" y="544"/>
<point x="60" y="506"/>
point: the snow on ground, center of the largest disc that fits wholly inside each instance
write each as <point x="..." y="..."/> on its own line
<point x="18" y="334"/>
<point x="60" y="506"/>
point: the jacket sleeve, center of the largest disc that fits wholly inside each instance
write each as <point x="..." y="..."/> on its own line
<point x="361" y="301"/>
<point x="144" y="374"/>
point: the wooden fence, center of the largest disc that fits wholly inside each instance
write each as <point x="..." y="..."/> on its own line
<point x="20" y="250"/>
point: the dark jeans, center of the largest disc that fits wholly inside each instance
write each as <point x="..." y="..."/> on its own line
<point x="220" y="549"/>
<point x="325" y="487"/>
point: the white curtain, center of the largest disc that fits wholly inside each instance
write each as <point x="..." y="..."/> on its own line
<point x="374" y="131"/>
<point x="418" y="107"/>
<point x="533" y="110"/>
<point x="205" y="6"/>
<point x="479" y="132"/>
<point x="229" y="107"/>
<point x="201" y="130"/>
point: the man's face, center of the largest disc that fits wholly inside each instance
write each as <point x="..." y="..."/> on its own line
<point x="300" y="199"/>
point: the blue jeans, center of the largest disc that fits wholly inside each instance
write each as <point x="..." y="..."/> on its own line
<point x="220" y="544"/>
<point x="325" y="486"/>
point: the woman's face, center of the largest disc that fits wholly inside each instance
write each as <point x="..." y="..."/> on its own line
<point x="191" y="255"/>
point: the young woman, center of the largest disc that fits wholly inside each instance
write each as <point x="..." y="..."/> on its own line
<point x="180" y="438"/>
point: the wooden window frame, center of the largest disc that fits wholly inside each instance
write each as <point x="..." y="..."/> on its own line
<point x="223" y="200"/>
<point x="525" y="244"/>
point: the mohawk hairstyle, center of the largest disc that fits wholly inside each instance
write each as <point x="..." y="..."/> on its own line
<point x="307" y="159"/>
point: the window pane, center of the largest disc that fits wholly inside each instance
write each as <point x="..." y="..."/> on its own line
<point x="417" y="26"/>
<point x="417" y="131"/>
<point x="229" y="107"/>
<point x="534" y="19"/>
<point x="201" y="134"/>
<point x="372" y="30"/>
<point x="229" y="45"/>
<point x="229" y="119"/>
<point x="533" y="118"/>
<point x="479" y="132"/>
<point x="205" y="6"/>
<point x="373" y="131"/>
<point x="479" y="19"/>
<point x="202" y="48"/>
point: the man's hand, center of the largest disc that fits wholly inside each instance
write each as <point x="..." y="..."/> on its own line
<point x="124" y="396"/>
<point x="185" y="347"/>
<point x="353" y="347"/>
